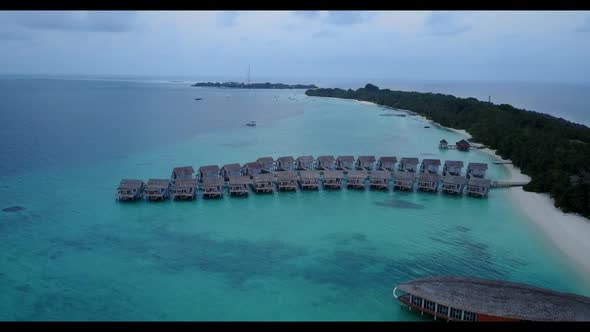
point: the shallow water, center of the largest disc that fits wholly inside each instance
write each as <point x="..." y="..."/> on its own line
<point x="73" y="253"/>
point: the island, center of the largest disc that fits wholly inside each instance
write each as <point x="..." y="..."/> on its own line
<point x="554" y="152"/>
<point x="267" y="85"/>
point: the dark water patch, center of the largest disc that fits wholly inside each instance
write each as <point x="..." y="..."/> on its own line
<point x="428" y="154"/>
<point x="23" y="288"/>
<point x="13" y="209"/>
<point x="400" y="204"/>
<point x="463" y="229"/>
<point x="346" y="239"/>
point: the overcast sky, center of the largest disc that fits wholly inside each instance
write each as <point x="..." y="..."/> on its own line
<point x="463" y="45"/>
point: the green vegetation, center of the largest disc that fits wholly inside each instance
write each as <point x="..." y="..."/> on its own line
<point x="554" y="152"/>
<point x="267" y="85"/>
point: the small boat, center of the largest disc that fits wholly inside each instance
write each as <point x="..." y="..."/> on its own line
<point x="251" y="124"/>
<point x="198" y="98"/>
<point x="426" y="126"/>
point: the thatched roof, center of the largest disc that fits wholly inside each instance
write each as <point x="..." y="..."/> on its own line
<point x="264" y="177"/>
<point x="239" y="180"/>
<point x="409" y="161"/>
<point x="285" y="176"/>
<point x="386" y="160"/>
<point x="367" y="159"/>
<point x="232" y="167"/>
<point x="333" y="174"/>
<point x="486" y="183"/>
<point x="501" y="298"/>
<point x="483" y="166"/>
<point x="305" y="158"/>
<point x="455" y="179"/>
<point x="454" y="163"/>
<point x="310" y="174"/>
<point x="404" y="176"/>
<point x="286" y="159"/>
<point x="354" y="174"/>
<point x="127" y="184"/>
<point x="183" y="171"/>
<point x="346" y="158"/>
<point x="212" y="182"/>
<point x="157" y="184"/>
<point x="185" y="183"/>
<point x="463" y="142"/>
<point x="265" y="160"/>
<point x="428" y="177"/>
<point x="209" y="169"/>
<point x="326" y="159"/>
<point x="444" y="141"/>
<point x="380" y="175"/>
<point x="253" y="165"/>
<point x="431" y="162"/>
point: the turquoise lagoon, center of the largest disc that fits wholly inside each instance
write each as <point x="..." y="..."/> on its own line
<point x="74" y="253"/>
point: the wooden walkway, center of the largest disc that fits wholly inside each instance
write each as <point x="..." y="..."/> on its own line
<point x="507" y="184"/>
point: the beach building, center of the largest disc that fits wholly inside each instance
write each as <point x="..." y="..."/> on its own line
<point x="379" y="179"/>
<point x="452" y="167"/>
<point x="453" y="184"/>
<point x="184" y="172"/>
<point x="408" y="165"/>
<point x="231" y="170"/>
<point x="157" y="189"/>
<point x="356" y="179"/>
<point x="386" y="163"/>
<point x="212" y="187"/>
<point x="305" y="163"/>
<point x="208" y="171"/>
<point x="287" y="180"/>
<point x="443" y="144"/>
<point x="309" y="179"/>
<point x="252" y="168"/>
<point x="333" y="179"/>
<point x="452" y="298"/>
<point x="130" y="190"/>
<point x="268" y="164"/>
<point x="264" y="182"/>
<point x="463" y="145"/>
<point x="430" y="166"/>
<point x="325" y="162"/>
<point x="184" y="189"/>
<point x="365" y="163"/>
<point x="476" y="170"/>
<point x="285" y="164"/>
<point x="238" y="185"/>
<point x="345" y="162"/>
<point x="428" y="182"/>
<point x="404" y="180"/>
<point x="478" y="187"/>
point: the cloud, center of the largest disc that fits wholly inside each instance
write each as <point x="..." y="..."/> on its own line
<point x="585" y="27"/>
<point x="445" y="24"/>
<point x="227" y="18"/>
<point x="345" y="17"/>
<point x="325" y="34"/>
<point x="14" y="35"/>
<point x="311" y="14"/>
<point x="107" y="21"/>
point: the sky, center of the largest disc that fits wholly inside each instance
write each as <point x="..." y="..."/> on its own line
<point x="301" y="45"/>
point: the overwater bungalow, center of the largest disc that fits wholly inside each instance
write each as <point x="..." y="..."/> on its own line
<point x="184" y="172"/>
<point x="463" y="145"/>
<point x="452" y="167"/>
<point x="404" y="180"/>
<point x="212" y="187"/>
<point x="184" y="189"/>
<point x="157" y="189"/>
<point x="386" y="163"/>
<point x="252" y="168"/>
<point x="408" y="165"/>
<point x="452" y="298"/>
<point x="231" y="170"/>
<point x="287" y="180"/>
<point x="345" y="162"/>
<point x="238" y="185"/>
<point x="333" y="179"/>
<point x="268" y="164"/>
<point x="285" y="163"/>
<point x="309" y="179"/>
<point x="365" y="163"/>
<point x="476" y="170"/>
<point x="263" y="182"/>
<point x="356" y="179"/>
<point x="443" y="144"/>
<point x="478" y="187"/>
<point x="130" y="190"/>
<point x="428" y="182"/>
<point x="208" y="171"/>
<point x="379" y="179"/>
<point x="453" y="184"/>
<point x="305" y="163"/>
<point x="430" y="166"/>
<point x="325" y="162"/>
